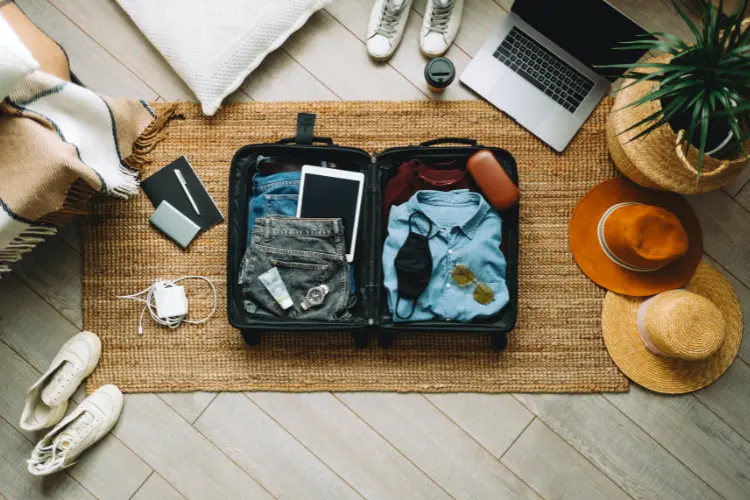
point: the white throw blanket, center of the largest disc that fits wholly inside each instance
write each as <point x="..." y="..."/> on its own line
<point x="214" y="44"/>
<point x="60" y="143"/>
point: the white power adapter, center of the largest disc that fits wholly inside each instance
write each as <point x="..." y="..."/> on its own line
<point x="167" y="303"/>
<point x="171" y="301"/>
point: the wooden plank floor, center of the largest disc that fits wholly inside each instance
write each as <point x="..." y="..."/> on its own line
<point x="379" y="446"/>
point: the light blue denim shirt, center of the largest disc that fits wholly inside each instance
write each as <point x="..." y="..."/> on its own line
<point x="466" y="230"/>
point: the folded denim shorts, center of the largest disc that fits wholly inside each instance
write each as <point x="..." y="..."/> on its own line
<point x="307" y="253"/>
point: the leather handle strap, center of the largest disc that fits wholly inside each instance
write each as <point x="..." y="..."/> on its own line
<point x="293" y="140"/>
<point x="450" y="140"/>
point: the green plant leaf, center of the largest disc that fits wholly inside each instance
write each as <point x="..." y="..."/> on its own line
<point x="738" y="72"/>
<point x="661" y="76"/>
<point x="650" y="118"/>
<point x="704" y="139"/>
<point x="727" y="33"/>
<point x="644" y="65"/>
<point x="736" y="18"/>
<point x="739" y="109"/>
<point x="666" y="114"/>
<point x="663" y="92"/>
<point x="657" y="45"/>
<point x="690" y="24"/>
<point x="669" y="36"/>
<point x="710" y="27"/>
<point x="733" y="123"/>
<point x="695" y="105"/>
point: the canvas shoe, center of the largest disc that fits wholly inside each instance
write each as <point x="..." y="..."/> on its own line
<point x="86" y="425"/>
<point x="442" y="18"/>
<point x="47" y="400"/>
<point x="386" y="27"/>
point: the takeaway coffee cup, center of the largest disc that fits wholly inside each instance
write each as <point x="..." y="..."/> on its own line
<point x="439" y="73"/>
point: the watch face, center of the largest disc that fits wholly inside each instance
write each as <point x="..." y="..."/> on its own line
<point x="315" y="295"/>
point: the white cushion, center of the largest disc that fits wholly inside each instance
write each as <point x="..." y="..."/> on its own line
<point x="214" y="44"/>
<point x="15" y="59"/>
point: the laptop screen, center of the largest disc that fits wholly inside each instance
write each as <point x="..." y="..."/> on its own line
<point x="587" y="29"/>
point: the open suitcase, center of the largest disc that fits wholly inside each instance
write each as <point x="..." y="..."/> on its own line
<point x="371" y="309"/>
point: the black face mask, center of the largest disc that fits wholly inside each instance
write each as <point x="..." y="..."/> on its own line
<point x="413" y="266"/>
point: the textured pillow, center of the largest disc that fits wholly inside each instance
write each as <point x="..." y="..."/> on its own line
<point x="214" y="44"/>
<point x="15" y="59"/>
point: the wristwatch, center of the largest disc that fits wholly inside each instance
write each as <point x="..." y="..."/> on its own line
<point x="315" y="296"/>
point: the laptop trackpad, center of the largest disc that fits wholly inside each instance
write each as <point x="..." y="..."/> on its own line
<point x="521" y="100"/>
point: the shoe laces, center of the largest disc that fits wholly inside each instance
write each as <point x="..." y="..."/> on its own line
<point x="48" y="455"/>
<point x="441" y="15"/>
<point x="65" y="374"/>
<point x="60" y="380"/>
<point x="390" y="18"/>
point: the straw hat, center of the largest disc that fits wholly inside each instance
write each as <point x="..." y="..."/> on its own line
<point x="678" y="341"/>
<point x="635" y="241"/>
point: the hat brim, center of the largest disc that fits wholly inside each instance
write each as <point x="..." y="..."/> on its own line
<point x="669" y="375"/>
<point x="590" y="257"/>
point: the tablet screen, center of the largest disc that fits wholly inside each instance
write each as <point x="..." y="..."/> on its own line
<point x="331" y="197"/>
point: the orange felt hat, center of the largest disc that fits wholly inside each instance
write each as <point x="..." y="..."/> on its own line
<point x="635" y="241"/>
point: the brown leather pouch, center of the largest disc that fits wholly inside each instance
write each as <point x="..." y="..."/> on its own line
<point x="494" y="182"/>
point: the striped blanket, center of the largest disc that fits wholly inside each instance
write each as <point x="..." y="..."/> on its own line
<point x="59" y="144"/>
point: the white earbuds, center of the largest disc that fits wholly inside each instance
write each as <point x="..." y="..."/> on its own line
<point x="167" y="303"/>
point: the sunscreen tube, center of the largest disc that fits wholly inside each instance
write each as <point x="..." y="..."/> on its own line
<point x="271" y="279"/>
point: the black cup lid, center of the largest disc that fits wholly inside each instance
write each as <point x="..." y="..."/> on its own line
<point x="439" y="72"/>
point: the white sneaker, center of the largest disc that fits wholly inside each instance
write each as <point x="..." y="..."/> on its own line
<point x="47" y="400"/>
<point x="386" y="28"/>
<point x="86" y="425"/>
<point x="442" y="18"/>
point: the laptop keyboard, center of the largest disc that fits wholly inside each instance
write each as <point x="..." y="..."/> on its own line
<point x="540" y="67"/>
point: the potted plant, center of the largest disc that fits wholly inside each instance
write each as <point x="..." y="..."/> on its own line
<point x="681" y="122"/>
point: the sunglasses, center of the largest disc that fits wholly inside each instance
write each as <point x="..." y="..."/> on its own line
<point x="463" y="276"/>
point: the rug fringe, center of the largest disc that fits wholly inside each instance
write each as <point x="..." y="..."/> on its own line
<point x="147" y="141"/>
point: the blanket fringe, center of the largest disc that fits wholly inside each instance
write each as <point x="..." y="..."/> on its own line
<point x="76" y="203"/>
<point x="24" y="243"/>
<point x="79" y="193"/>
<point x="150" y="137"/>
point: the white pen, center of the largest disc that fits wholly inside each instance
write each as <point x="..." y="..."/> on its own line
<point x="184" y="188"/>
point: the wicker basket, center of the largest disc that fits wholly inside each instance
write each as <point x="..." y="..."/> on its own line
<point x="660" y="160"/>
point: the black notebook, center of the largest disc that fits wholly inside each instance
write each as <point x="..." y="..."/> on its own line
<point x="166" y="185"/>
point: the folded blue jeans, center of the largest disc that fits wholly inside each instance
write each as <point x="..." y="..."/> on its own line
<point x="273" y="195"/>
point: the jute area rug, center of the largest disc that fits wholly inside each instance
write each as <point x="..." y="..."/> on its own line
<point x="556" y="347"/>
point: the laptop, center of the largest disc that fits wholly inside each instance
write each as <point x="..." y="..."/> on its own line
<point x="539" y="64"/>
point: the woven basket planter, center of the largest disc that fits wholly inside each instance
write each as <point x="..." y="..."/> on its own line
<point x="660" y="160"/>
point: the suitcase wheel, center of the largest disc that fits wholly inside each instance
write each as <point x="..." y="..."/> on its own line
<point x="385" y="339"/>
<point x="361" y="339"/>
<point x="252" y="337"/>
<point x="499" y="341"/>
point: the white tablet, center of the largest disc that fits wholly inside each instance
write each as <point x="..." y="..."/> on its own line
<point x="328" y="193"/>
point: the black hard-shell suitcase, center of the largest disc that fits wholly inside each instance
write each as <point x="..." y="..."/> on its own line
<point x="371" y="310"/>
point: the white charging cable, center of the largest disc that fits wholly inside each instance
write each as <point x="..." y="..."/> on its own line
<point x="153" y="306"/>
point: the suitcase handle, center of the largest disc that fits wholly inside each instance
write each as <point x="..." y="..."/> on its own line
<point x="292" y="140"/>
<point x="450" y="140"/>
